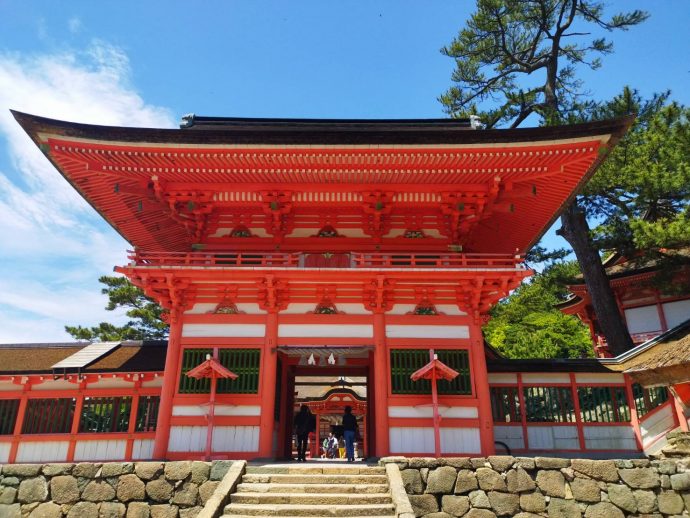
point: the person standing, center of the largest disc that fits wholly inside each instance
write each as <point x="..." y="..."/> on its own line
<point x="303" y="424"/>
<point x="349" y="433"/>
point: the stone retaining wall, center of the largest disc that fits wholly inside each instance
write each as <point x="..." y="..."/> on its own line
<point x="558" y="488"/>
<point x="108" y="490"/>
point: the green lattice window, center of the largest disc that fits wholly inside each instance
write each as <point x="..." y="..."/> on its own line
<point x="49" y="415"/>
<point x="603" y="404"/>
<point x="405" y="361"/>
<point x="647" y="400"/>
<point x="505" y="404"/>
<point x="147" y="414"/>
<point x="549" y="405"/>
<point x="105" y="414"/>
<point x="243" y="362"/>
<point x="8" y="415"/>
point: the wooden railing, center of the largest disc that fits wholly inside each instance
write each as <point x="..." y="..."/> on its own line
<point x="431" y="260"/>
<point x="295" y="260"/>
<point x="222" y="259"/>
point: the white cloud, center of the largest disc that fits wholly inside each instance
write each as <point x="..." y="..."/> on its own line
<point x="53" y="246"/>
<point x="74" y="24"/>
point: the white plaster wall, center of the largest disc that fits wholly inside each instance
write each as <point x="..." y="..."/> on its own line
<point x="235" y="438"/>
<point x="676" y="312"/>
<point x="538" y="378"/>
<point x="302" y="308"/>
<point x="305" y="232"/>
<point x="351" y="308"/>
<point x="587" y="377"/>
<point x="6" y="386"/>
<point x="609" y="438"/>
<point x="411" y="440"/>
<point x="326" y="330"/>
<point x="460" y="440"/>
<point x="510" y="435"/>
<point x="203" y="308"/>
<point x="404" y="309"/>
<point x="109" y="382"/>
<point x="502" y="377"/>
<point x="423" y="331"/>
<point x="60" y="384"/>
<point x="643" y="319"/>
<point x="155" y="382"/>
<point x="461" y="412"/>
<point x="187" y="438"/>
<point x="352" y="232"/>
<point x="142" y="449"/>
<point x="450" y="309"/>
<point x="5" y="451"/>
<point x="553" y="438"/>
<point x="44" y="451"/>
<point x="401" y="309"/>
<point x="657" y="423"/>
<point x="100" y="450"/>
<point x="199" y="410"/>
<point x="223" y="330"/>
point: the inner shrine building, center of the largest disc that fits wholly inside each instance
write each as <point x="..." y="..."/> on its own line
<point x="288" y="248"/>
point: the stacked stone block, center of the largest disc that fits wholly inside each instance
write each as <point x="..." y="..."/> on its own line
<point x="524" y="487"/>
<point x="108" y="490"/>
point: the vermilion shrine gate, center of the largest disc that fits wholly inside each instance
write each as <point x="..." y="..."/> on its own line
<point x="364" y="242"/>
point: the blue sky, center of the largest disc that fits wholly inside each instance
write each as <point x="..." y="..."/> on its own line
<point x="148" y="63"/>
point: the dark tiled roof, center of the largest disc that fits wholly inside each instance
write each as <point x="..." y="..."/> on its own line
<point x="220" y="130"/>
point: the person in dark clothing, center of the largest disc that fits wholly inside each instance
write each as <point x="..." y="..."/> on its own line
<point x="303" y="424"/>
<point x="349" y="432"/>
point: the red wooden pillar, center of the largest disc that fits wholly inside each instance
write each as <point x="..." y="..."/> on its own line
<point x="171" y="376"/>
<point x="131" y="429"/>
<point x="19" y="423"/>
<point x="578" y="413"/>
<point x="283" y="431"/>
<point x="381" y="376"/>
<point x="678" y="409"/>
<point x="481" y="389"/>
<point x="267" y="376"/>
<point x="74" y="430"/>
<point x="523" y="411"/>
<point x="634" y="418"/>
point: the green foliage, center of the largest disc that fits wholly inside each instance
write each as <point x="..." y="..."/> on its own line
<point x="146" y="316"/>
<point x="641" y="192"/>
<point x="526" y="325"/>
<point x="505" y="41"/>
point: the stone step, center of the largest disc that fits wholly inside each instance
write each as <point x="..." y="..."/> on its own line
<point x="309" y="510"/>
<point x="312" y="488"/>
<point x="312" y="478"/>
<point x="344" y="469"/>
<point x="344" y="499"/>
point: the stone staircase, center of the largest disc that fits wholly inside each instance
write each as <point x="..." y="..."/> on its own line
<point x="312" y="490"/>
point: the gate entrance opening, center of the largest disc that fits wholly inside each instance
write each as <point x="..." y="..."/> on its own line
<point x="326" y="380"/>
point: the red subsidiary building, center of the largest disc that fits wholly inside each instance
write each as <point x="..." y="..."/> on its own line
<point x="286" y="250"/>
<point x="647" y="310"/>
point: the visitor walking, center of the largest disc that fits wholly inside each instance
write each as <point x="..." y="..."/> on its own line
<point x="330" y="446"/>
<point x="303" y="425"/>
<point x="349" y="432"/>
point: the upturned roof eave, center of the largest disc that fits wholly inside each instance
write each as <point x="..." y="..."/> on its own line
<point x="323" y="131"/>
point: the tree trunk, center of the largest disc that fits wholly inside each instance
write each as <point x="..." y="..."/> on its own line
<point x="575" y="230"/>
